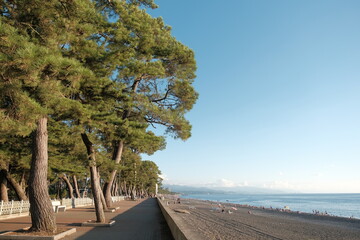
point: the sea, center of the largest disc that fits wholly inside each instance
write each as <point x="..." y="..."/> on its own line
<point x="342" y="205"/>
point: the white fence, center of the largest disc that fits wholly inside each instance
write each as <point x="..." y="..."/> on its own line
<point x="14" y="207"/>
<point x="83" y="201"/>
<point x="117" y="198"/>
<point x="76" y="202"/>
<point x="18" y="207"/>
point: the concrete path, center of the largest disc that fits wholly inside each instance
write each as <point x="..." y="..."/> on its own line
<point x="134" y="220"/>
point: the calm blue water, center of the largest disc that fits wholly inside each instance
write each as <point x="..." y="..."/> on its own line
<point x="344" y="205"/>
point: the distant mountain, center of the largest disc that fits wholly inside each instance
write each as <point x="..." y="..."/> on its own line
<point x="218" y="190"/>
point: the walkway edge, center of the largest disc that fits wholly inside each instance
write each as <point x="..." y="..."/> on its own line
<point x="176" y="224"/>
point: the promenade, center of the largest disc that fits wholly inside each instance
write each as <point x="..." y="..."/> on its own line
<point x="134" y="220"/>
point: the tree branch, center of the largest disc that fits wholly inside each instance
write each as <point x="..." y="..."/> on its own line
<point x="161" y="99"/>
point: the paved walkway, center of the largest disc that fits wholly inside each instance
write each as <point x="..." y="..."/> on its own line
<point x="134" y="220"/>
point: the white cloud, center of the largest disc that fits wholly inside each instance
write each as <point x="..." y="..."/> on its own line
<point x="225" y="183"/>
<point x="220" y="183"/>
<point x="317" y="186"/>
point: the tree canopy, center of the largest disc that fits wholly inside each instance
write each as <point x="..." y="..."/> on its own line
<point x="83" y="82"/>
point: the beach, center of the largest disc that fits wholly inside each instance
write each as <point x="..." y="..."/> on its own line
<point x="228" y="221"/>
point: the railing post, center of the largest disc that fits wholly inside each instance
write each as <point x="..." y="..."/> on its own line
<point x="21" y="206"/>
<point x="12" y="205"/>
<point x="1" y="207"/>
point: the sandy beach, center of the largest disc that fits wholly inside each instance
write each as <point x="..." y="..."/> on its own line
<point x="229" y="221"/>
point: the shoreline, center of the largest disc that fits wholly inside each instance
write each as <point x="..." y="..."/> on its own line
<point x="280" y="209"/>
<point x="239" y="221"/>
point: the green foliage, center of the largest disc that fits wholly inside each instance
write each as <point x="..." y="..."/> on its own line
<point x="15" y="153"/>
<point x="104" y="68"/>
<point x="66" y="151"/>
<point x="144" y="175"/>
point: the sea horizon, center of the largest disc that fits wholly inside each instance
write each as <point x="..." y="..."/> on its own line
<point x="334" y="204"/>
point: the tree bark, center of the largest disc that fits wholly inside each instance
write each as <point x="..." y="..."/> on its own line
<point x="69" y="186"/>
<point x="20" y="193"/>
<point x="95" y="186"/>
<point x="118" y="150"/>
<point x="103" y="201"/>
<point x="94" y="179"/>
<point x="115" y="189"/>
<point x="133" y="193"/>
<point x="22" y="181"/>
<point x="108" y="184"/>
<point x="125" y="188"/>
<point x="76" y="186"/>
<point x="102" y="194"/>
<point x="3" y="188"/>
<point x="42" y="213"/>
<point x="58" y="190"/>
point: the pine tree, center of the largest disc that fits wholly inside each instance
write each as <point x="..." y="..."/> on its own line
<point x="38" y="80"/>
<point x="105" y="69"/>
<point x="157" y="74"/>
<point x="67" y="155"/>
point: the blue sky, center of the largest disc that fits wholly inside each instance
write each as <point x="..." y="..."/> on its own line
<point x="279" y="103"/>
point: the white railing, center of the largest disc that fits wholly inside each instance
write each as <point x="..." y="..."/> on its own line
<point x="76" y="202"/>
<point x="68" y="202"/>
<point x="83" y="202"/>
<point x="117" y="198"/>
<point x="18" y="207"/>
<point x="14" y="207"/>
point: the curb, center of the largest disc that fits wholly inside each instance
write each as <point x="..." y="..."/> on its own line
<point x="176" y="224"/>
<point x="7" y="235"/>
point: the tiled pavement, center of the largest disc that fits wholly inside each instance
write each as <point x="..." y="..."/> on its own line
<point x="135" y="220"/>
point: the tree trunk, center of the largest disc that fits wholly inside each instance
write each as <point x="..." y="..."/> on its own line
<point x="69" y="186"/>
<point x="23" y="181"/>
<point x="103" y="201"/>
<point x="20" y="193"/>
<point x="118" y="150"/>
<point x="102" y="194"/>
<point x="115" y="189"/>
<point x="58" y="190"/>
<point x="94" y="178"/>
<point x="133" y="193"/>
<point x="41" y="210"/>
<point x="118" y="186"/>
<point x="76" y="186"/>
<point x="108" y="184"/>
<point x="124" y="189"/>
<point x="3" y="188"/>
<point x="95" y="186"/>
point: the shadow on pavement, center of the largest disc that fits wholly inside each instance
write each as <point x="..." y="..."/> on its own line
<point x="143" y="221"/>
